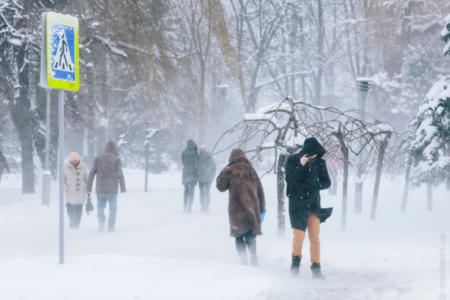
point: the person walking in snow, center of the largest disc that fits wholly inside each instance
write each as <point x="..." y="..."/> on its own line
<point x="246" y="202"/>
<point x="75" y="179"/>
<point x="306" y="175"/>
<point x="206" y="174"/>
<point x="108" y="168"/>
<point x="189" y="158"/>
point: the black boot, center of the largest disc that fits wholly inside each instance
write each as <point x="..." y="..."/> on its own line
<point x="250" y="240"/>
<point x="315" y="269"/>
<point x="295" y="266"/>
<point x="241" y="250"/>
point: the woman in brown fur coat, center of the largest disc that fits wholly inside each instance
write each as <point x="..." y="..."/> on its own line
<point x="246" y="203"/>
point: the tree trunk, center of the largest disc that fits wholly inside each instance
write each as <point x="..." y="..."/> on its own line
<point x="383" y="146"/>
<point x="21" y="117"/>
<point x="280" y="191"/>
<point x="147" y="150"/>
<point x="429" y="195"/>
<point x="406" y="191"/>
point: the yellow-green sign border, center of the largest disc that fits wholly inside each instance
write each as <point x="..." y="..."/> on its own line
<point x="57" y="83"/>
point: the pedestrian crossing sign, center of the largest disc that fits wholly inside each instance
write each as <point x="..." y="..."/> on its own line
<point x="62" y="51"/>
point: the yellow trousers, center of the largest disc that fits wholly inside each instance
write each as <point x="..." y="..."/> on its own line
<point x="313" y="228"/>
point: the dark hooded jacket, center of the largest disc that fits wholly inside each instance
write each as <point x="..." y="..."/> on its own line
<point x="246" y="194"/>
<point x="108" y="168"/>
<point x="304" y="184"/>
<point x="206" y="168"/>
<point x="189" y="158"/>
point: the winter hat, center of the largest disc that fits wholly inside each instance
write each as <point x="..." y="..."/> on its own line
<point x="74" y="156"/>
<point x="203" y="148"/>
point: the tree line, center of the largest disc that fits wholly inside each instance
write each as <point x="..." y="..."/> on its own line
<point x="156" y="66"/>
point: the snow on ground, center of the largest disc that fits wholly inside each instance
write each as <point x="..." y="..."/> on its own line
<point x="158" y="252"/>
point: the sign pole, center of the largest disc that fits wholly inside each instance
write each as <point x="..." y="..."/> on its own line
<point x="59" y="70"/>
<point x="61" y="176"/>
<point x="47" y="174"/>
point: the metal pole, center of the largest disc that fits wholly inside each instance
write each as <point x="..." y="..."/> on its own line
<point x="47" y="131"/>
<point x="47" y="174"/>
<point x="147" y="150"/>
<point x="61" y="176"/>
<point x="363" y="88"/>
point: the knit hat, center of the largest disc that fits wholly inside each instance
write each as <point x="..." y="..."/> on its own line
<point x="74" y="156"/>
<point x="203" y="148"/>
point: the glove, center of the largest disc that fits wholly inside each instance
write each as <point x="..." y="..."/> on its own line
<point x="263" y="214"/>
<point x="89" y="206"/>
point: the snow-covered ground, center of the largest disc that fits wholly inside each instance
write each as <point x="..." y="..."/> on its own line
<point x="158" y="252"/>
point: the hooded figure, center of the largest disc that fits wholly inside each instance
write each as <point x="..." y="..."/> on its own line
<point x="206" y="174"/>
<point x="108" y="168"/>
<point x="189" y="158"/>
<point x="306" y="175"/>
<point x="246" y="203"/>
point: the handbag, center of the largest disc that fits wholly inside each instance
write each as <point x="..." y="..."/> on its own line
<point x="89" y="206"/>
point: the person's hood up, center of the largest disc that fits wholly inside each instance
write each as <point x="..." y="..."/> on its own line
<point x="111" y="148"/>
<point x="191" y="145"/>
<point x="238" y="155"/>
<point x="311" y="146"/>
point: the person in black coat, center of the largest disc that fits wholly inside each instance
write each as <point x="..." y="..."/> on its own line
<point x="206" y="175"/>
<point x="189" y="158"/>
<point x="306" y="175"/>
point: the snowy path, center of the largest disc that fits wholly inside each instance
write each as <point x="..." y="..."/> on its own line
<point x="160" y="253"/>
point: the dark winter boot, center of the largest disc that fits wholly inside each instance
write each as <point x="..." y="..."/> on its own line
<point x="315" y="269"/>
<point x="295" y="266"/>
<point x="250" y="240"/>
<point x="241" y="250"/>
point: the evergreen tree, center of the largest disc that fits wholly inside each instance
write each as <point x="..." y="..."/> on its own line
<point x="431" y="128"/>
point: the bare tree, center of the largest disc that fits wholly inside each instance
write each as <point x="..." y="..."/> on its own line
<point x="282" y="126"/>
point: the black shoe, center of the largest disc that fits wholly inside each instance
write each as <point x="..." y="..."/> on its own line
<point x="295" y="266"/>
<point x="315" y="269"/>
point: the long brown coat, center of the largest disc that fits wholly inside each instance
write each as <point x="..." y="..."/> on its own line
<point x="246" y="194"/>
<point x="108" y="168"/>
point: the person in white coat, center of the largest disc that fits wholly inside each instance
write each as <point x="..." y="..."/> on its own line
<point x="75" y="178"/>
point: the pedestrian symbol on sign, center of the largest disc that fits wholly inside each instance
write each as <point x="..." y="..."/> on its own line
<point x="62" y="52"/>
<point x="63" y="60"/>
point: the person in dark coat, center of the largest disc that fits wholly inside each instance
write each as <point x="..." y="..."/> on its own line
<point x="206" y="174"/>
<point x="246" y="202"/>
<point x="306" y="175"/>
<point x="189" y="158"/>
<point x="3" y="165"/>
<point x="108" y="168"/>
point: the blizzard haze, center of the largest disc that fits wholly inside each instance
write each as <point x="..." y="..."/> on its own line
<point x="369" y="79"/>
